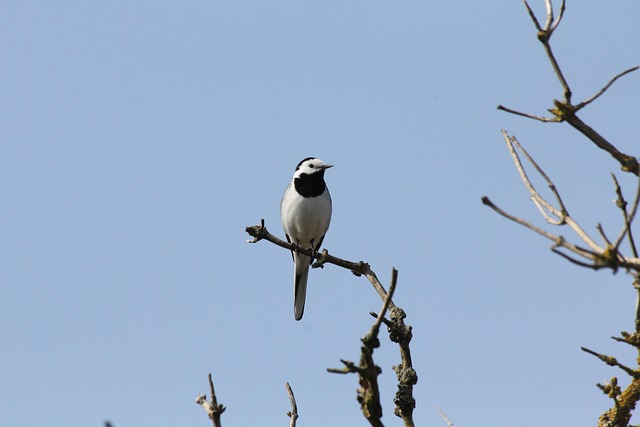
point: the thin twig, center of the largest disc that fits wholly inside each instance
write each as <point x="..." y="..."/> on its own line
<point x="612" y="361"/>
<point x="560" y="15"/>
<point x="636" y="285"/>
<point x="557" y="240"/>
<point x="605" y="88"/>
<point x="621" y="203"/>
<point x="445" y="418"/>
<point x="293" y="414"/>
<point x="560" y="212"/>
<point x="529" y="116"/>
<point x="387" y="303"/>
<point x="549" y="6"/>
<point x="532" y="16"/>
<point x="604" y="237"/>
<point x="575" y="261"/>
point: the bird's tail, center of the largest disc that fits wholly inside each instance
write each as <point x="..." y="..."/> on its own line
<point x="301" y="273"/>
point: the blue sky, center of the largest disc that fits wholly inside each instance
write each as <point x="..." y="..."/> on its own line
<point x="139" y="139"/>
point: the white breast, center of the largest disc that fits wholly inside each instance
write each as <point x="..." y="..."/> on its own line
<point x="305" y="219"/>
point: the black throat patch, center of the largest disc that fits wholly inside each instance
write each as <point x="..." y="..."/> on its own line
<point x="310" y="185"/>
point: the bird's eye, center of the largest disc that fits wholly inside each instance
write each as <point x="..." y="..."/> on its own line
<point x="311" y="165"/>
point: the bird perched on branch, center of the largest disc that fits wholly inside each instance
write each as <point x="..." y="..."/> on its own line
<point x="305" y="212"/>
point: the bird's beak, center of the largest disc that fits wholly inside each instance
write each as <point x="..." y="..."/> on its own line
<point x="326" y="167"/>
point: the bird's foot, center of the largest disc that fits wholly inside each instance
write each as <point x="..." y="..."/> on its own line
<point x="321" y="258"/>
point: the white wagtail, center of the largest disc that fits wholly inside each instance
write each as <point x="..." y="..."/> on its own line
<point x="305" y="212"/>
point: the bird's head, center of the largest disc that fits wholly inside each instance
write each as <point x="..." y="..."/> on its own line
<point x="310" y="166"/>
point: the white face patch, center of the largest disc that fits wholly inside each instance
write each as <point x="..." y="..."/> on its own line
<point x="309" y="167"/>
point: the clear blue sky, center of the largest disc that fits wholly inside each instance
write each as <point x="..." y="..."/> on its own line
<point x="139" y="139"/>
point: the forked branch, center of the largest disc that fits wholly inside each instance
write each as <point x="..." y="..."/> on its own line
<point x="593" y="256"/>
<point x="399" y="333"/>
<point x="565" y="110"/>
<point x="214" y="409"/>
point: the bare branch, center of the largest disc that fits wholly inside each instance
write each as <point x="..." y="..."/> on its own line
<point x="603" y="235"/>
<point x="560" y="15"/>
<point x="549" y="6"/>
<point x="611" y="361"/>
<point x="627" y="163"/>
<point x="604" y="257"/>
<point x="565" y="111"/>
<point x="444" y="417"/>
<point x="627" y="338"/>
<point x="530" y="116"/>
<point x="557" y="240"/>
<point x="260" y="232"/>
<point x="624" y="403"/>
<point x="214" y="409"/>
<point x="596" y="256"/>
<point x="604" y="89"/>
<point x="621" y="203"/>
<point x="399" y="332"/>
<point x="636" y="285"/>
<point x="560" y="212"/>
<point x="293" y="414"/>
<point x="532" y="16"/>
<point x="544" y="34"/>
<point x="575" y="261"/>
<point x="349" y="368"/>
<point x="385" y="306"/>
<point x="368" y="395"/>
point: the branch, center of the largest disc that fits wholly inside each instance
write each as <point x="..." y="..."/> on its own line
<point x="385" y="306"/>
<point x="605" y="88"/>
<point x="544" y="34"/>
<point x="213" y="408"/>
<point x="628" y="163"/>
<point x="399" y="332"/>
<point x="260" y="232"/>
<point x="406" y="374"/>
<point x="530" y="116"/>
<point x="597" y="256"/>
<point x="293" y="414"/>
<point x="631" y="339"/>
<point x="558" y="241"/>
<point x="560" y="212"/>
<point x="565" y="111"/>
<point x="369" y="392"/>
<point x="445" y="418"/>
<point x="620" y="414"/>
<point x="621" y="203"/>
<point x="612" y="361"/>
<point x="541" y="203"/>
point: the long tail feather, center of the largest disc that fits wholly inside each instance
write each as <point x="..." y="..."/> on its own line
<point x="301" y="273"/>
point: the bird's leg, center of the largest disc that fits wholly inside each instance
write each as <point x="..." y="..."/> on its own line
<point x="320" y="258"/>
<point x="297" y="246"/>
<point x="314" y="251"/>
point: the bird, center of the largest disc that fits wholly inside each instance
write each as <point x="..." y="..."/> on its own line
<point x="305" y="212"/>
